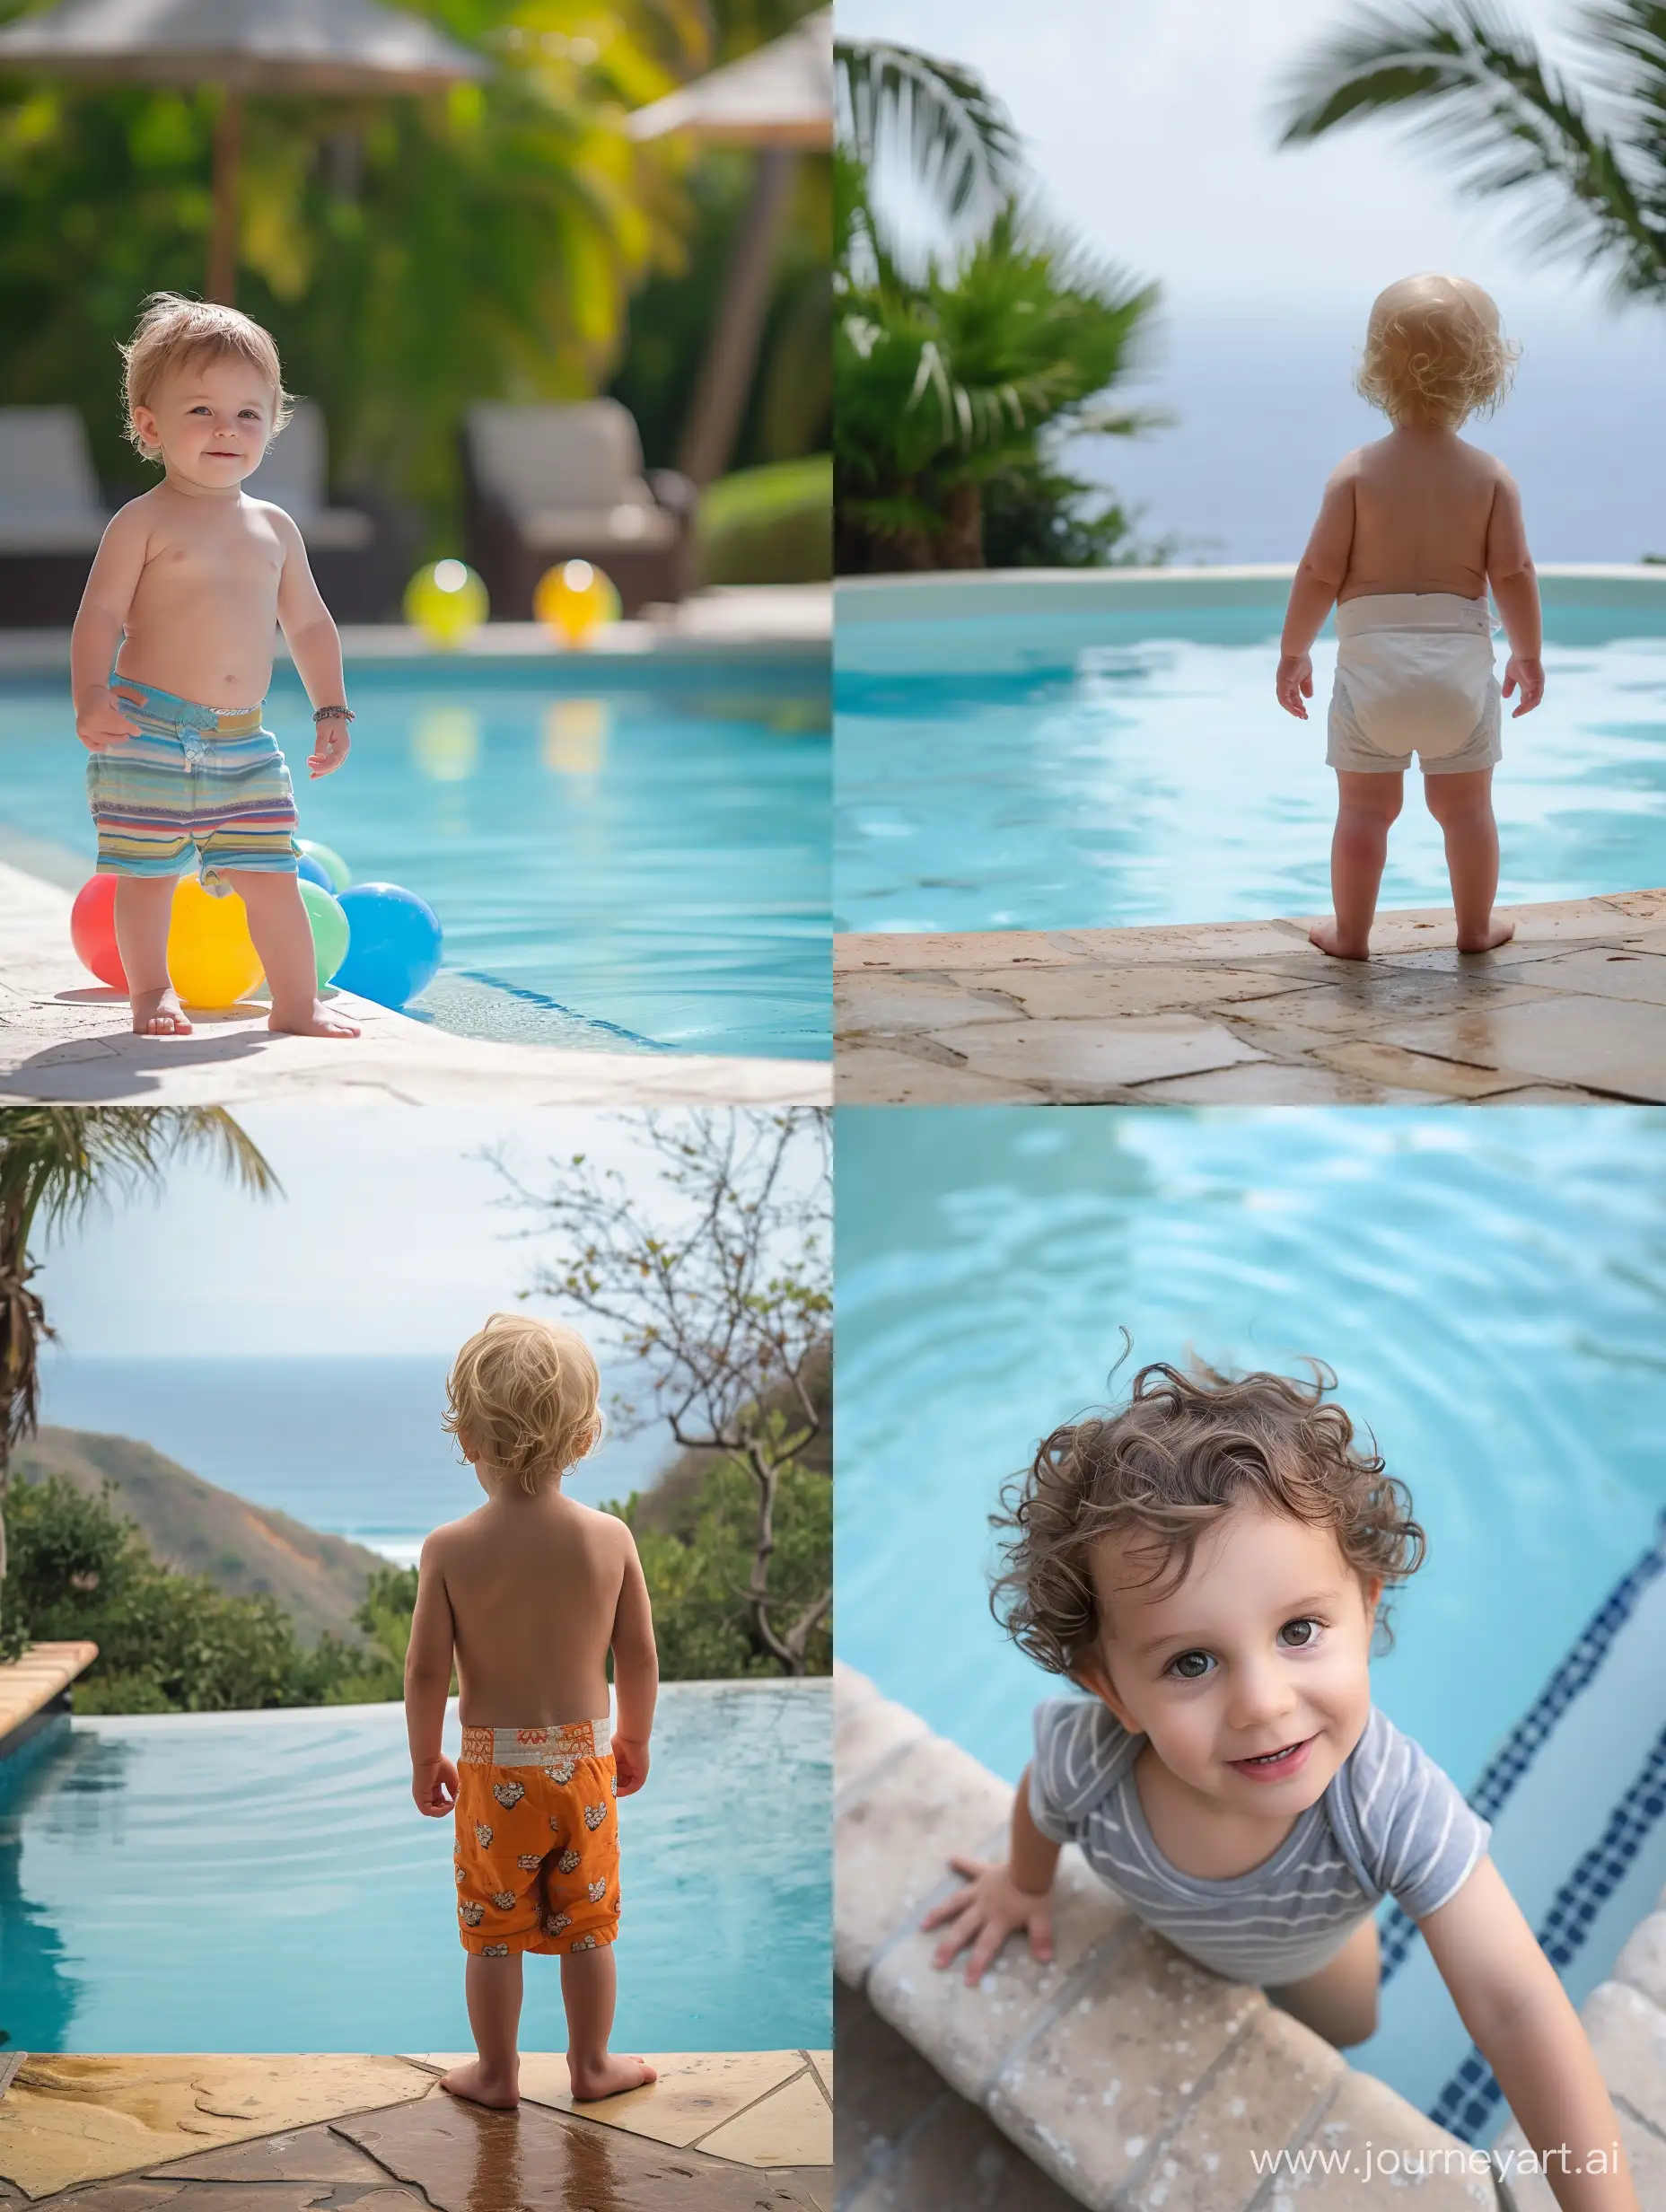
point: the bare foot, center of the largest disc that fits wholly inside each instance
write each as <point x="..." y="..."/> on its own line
<point x="608" y="2078"/>
<point x="316" y="1021"/>
<point x="472" y="2081"/>
<point x="158" y="1014"/>
<point x="1496" y="934"/>
<point x="1328" y="938"/>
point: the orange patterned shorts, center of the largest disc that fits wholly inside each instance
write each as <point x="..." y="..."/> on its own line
<point x="538" y="1840"/>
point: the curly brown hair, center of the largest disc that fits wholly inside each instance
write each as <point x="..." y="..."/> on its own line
<point x="1163" y="1468"/>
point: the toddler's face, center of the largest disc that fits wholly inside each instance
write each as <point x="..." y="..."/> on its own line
<point x="1252" y="1678"/>
<point x="211" y="420"/>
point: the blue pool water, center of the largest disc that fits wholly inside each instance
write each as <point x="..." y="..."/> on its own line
<point x="262" y="1881"/>
<point x="609" y="849"/>
<point x="1136" y="769"/>
<point x="1490" y="1290"/>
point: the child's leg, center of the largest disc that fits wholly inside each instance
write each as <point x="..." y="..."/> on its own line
<point x="1462" y="804"/>
<point x="1367" y="804"/>
<point x="493" y="1989"/>
<point x="589" y="1987"/>
<point x="1340" y="2001"/>
<point x="283" y="935"/>
<point x="144" y="909"/>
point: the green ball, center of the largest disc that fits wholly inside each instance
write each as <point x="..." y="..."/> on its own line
<point x="334" y="866"/>
<point x="329" y="930"/>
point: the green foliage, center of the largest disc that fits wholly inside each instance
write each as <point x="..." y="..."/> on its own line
<point x="168" y="1643"/>
<point x="410" y="255"/>
<point x="1040" y="517"/>
<point x="947" y="383"/>
<point x="769" y="525"/>
<point x="1589" y="168"/>
<point x="697" y="1571"/>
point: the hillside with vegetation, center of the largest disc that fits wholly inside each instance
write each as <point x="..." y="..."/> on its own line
<point x="197" y="1529"/>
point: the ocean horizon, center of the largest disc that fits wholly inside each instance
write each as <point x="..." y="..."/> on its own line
<point x="1261" y="393"/>
<point x="350" y="1445"/>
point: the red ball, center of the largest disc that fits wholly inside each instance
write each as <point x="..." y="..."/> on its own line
<point x="92" y="931"/>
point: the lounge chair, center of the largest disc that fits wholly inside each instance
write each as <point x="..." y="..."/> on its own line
<point x="548" y="484"/>
<point x="51" y="517"/>
<point x="355" y="569"/>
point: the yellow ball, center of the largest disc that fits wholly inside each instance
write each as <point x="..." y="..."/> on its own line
<point x="573" y="601"/>
<point x="212" y="961"/>
<point x="447" y="602"/>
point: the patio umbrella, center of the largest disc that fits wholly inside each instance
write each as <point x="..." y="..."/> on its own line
<point x="779" y="100"/>
<point x="338" y="49"/>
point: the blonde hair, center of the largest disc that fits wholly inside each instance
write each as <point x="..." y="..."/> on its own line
<point x="525" y="1394"/>
<point x="173" y="332"/>
<point x="1436" y="353"/>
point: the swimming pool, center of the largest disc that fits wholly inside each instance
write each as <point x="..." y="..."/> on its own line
<point x="1490" y="1295"/>
<point x="1087" y="753"/>
<point x="262" y="1881"/>
<point x="618" y="852"/>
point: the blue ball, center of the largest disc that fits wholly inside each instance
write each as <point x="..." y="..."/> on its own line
<point x="394" y="943"/>
<point x="310" y="871"/>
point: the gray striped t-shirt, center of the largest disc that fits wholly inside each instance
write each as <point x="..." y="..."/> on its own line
<point x="1390" y="1825"/>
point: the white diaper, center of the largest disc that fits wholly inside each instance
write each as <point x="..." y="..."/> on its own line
<point x="1415" y="674"/>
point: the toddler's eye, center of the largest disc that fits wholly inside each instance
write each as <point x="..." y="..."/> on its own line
<point x="1190" y="1667"/>
<point x="1299" y="1635"/>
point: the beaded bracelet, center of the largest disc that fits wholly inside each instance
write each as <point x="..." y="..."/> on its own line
<point x="333" y="714"/>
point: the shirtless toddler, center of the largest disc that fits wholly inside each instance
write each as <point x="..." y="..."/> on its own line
<point x="171" y="659"/>
<point x="1207" y="1563"/>
<point x="528" y="1595"/>
<point x="1410" y="533"/>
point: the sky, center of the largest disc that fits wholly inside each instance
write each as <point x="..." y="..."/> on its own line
<point x="389" y="1239"/>
<point x="1148" y="128"/>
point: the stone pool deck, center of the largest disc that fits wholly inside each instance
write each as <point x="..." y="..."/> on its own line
<point x="1119" y="2077"/>
<point x="64" y="1039"/>
<point x="36" y="1681"/>
<point x="1570" y="1011"/>
<point x="744" y="2132"/>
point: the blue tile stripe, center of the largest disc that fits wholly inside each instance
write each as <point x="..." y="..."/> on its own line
<point x="1521" y="1747"/>
<point x="1468" y="2103"/>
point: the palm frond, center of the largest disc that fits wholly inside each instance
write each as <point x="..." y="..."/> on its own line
<point x="961" y="141"/>
<point x="1475" y="87"/>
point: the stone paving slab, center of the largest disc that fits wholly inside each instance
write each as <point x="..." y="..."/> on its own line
<point x="759" y="2108"/>
<point x="298" y="2133"/>
<point x="70" y="2119"/>
<point x="1573" y="1009"/>
<point x="33" y="1680"/>
<point x="1129" y="2078"/>
<point x="67" y="1040"/>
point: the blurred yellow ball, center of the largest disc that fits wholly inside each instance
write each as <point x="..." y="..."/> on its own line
<point x="447" y="602"/>
<point x="573" y="601"/>
<point x="212" y="961"/>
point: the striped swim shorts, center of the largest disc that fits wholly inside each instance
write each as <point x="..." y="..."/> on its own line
<point x="195" y="781"/>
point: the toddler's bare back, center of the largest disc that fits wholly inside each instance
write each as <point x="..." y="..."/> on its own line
<point x="1429" y="514"/>
<point x="203" y="619"/>
<point x="534" y="1586"/>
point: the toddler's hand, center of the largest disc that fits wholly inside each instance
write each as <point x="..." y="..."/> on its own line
<point x="630" y="1765"/>
<point x="100" y="724"/>
<point x="1530" y="676"/>
<point x="433" y="1785"/>
<point x="330" y="746"/>
<point x="1294" y="683"/>
<point x="985" y="1913"/>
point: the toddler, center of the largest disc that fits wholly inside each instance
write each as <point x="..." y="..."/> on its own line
<point x="173" y="643"/>
<point x="528" y="1595"/>
<point x="1410" y="533"/>
<point x="1207" y="1564"/>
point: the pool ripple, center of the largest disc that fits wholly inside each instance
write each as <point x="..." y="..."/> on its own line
<point x="1162" y="784"/>
<point x="172" y="1883"/>
<point x="1491" y="1302"/>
